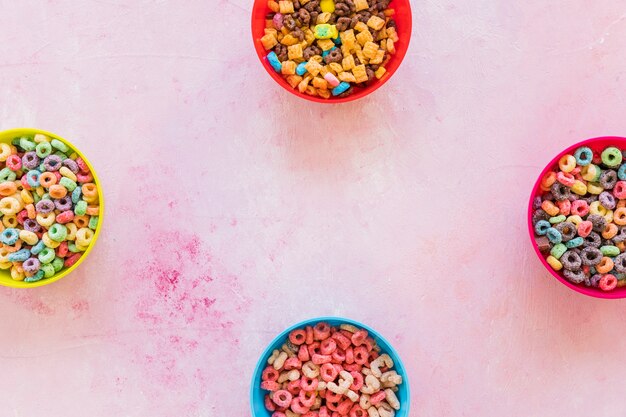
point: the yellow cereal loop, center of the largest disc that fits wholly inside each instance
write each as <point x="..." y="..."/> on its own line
<point x="46" y="220"/>
<point x="49" y="242"/>
<point x="67" y="173"/>
<point x="9" y="220"/>
<point x="84" y="236"/>
<point x="30" y="238"/>
<point x="608" y="216"/>
<point x="40" y="138"/>
<point x="17" y="273"/>
<point x="6" y="265"/>
<point x="594" y="188"/>
<point x="5" y="152"/>
<point x="554" y="263"/>
<point x="597" y="208"/>
<point x="9" y="205"/>
<point x="71" y="231"/>
<point x="579" y="188"/>
<point x="567" y="163"/>
<point x="27" y="197"/>
<point x="575" y="219"/>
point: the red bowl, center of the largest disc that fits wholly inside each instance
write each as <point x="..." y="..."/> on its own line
<point x="596" y="144"/>
<point x="404" y="27"/>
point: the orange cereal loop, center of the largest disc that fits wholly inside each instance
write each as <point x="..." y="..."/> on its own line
<point x="621" y="203"/>
<point x="7" y="188"/>
<point x="47" y="179"/>
<point x="605" y="265"/>
<point x="57" y="191"/>
<point x="609" y="231"/>
<point x="14" y="248"/>
<point x="550" y="208"/>
<point x="621" y="246"/>
<point x="619" y="216"/>
<point x="30" y="211"/>
<point x="90" y="189"/>
<point x="81" y="221"/>
<point x="93" y="210"/>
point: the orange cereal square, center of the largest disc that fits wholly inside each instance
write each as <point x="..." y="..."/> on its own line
<point x="336" y="67"/>
<point x="380" y="72"/>
<point x="313" y="67"/>
<point x="360" y="27"/>
<point x="376" y="22"/>
<point x="295" y="52"/>
<point x="269" y="41"/>
<point x="361" y="5"/>
<point x="391" y="47"/>
<point x="347" y="77"/>
<point x="324" y="93"/>
<point x="392" y="34"/>
<point x="325" y="44"/>
<point x="364" y="37"/>
<point x="360" y="73"/>
<point x="370" y="49"/>
<point x="378" y="59"/>
<point x="347" y="38"/>
<point x="285" y="7"/>
<point x="304" y="84"/>
<point x="294" y="80"/>
<point x="348" y="62"/>
<point x="288" y="68"/>
<point x="320" y="83"/>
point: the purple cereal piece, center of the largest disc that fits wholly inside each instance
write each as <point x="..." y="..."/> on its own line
<point x="45" y="206"/>
<point x="31" y="265"/>
<point x="595" y="280"/>
<point x="278" y="20"/>
<point x="64" y="203"/>
<point x="52" y="163"/>
<point x="31" y="225"/>
<point x="71" y="165"/>
<point x="591" y="256"/>
<point x="576" y="277"/>
<point x="30" y="160"/>
<point x="537" y="203"/>
<point x="571" y="260"/>
<point x="607" y="200"/>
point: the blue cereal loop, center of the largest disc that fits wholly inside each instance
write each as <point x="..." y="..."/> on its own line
<point x="328" y="52"/>
<point x="76" y="194"/>
<point x="541" y="227"/>
<point x="621" y="172"/>
<point x="35" y="250"/>
<point x="337" y="40"/>
<point x="341" y="88"/>
<point x="301" y="69"/>
<point x="554" y="235"/>
<point x="19" y="256"/>
<point x="9" y="236"/>
<point x="583" y="156"/>
<point x="574" y="243"/>
<point x="33" y="178"/>
<point x="272" y="58"/>
<point x="38" y="276"/>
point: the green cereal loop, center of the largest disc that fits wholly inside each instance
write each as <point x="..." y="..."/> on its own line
<point x="558" y="250"/>
<point x="46" y="255"/>
<point x="93" y="222"/>
<point x="609" y="250"/>
<point x="72" y="247"/>
<point x="67" y="183"/>
<point x="612" y="157"/>
<point x="27" y="144"/>
<point x="57" y="264"/>
<point x="45" y="196"/>
<point x="57" y="232"/>
<point x="6" y="174"/>
<point x="557" y="219"/>
<point x="36" y="198"/>
<point x="15" y="142"/>
<point x="48" y="270"/>
<point x="60" y="154"/>
<point x="57" y="144"/>
<point x="81" y="208"/>
<point x="43" y="149"/>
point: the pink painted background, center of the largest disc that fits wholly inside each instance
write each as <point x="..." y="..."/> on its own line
<point x="235" y="209"/>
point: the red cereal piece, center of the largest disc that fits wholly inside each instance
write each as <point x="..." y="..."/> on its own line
<point x="307" y="398"/>
<point x="321" y="331"/>
<point x="580" y="208"/>
<point x="270" y="385"/>
<point x="292" y="363"/>
<point x="321" y="359"/>
<point x="72" y="260"/>
<point x="297" y="406"/>
<point x="349" y="355"/>
<point x="282" y="398"/>
<point x="361" y="355"/>
<point x="25" y="183"/>
<point x="357" y="411"/>
<point x="297" y="337"/>
<point x="62" y="250"/>
<point x="328" y="372"/>
<point x="14" y="162"/>
<point x="314" y="349"/>
<point x="351" y="367"/>
<point x="270" y="374"/>
<point x="82" y="165"/>
<point x="377" y="397"/>
<point x="324" y="412"/>
<point x="342" y="341"/>
<point x="294" y="387"/>
<point x="269" y="404"/>
<point x="608" y="282"/>
<point x="564" y="206"/>
<point x="21" y="216"/>
<point x="309" y="335"/>
<point x="65" y="217"/>
<point x="279" y="414"/>
<point x="58" y="175"/>
<point x="619" y="191"/>
<point x="339" y="356"/>
<point x="309" y="384"/>
<point x="344" y="407"/>
<point x="359" y="338"/>
<point x="584" y="228"/>
<point x="358" y="381"/>
<point x="331" y="398"/>
<point x="328" y="346"/>
<point x="303" y="354"/>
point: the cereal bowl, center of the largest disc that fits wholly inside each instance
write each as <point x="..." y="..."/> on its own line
<point x="56" y="235"/>
<point x="597" y="146"/>
<point x="257" y="394"/>
<point x="403" y="19"/>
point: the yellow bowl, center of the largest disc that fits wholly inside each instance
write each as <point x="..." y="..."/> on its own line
<point x="5" y="277"/>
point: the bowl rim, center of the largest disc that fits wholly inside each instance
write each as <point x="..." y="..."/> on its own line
<point x="284" y="334"/>
<point x="596" y="293"/>
<point x="30" y="130"/>
<point x="400" y="55"/>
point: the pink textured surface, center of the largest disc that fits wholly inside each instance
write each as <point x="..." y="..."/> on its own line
<point x="235" y="209"/>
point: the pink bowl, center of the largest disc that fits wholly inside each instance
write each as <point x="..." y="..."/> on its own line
<point x="596" y="144"/>
<point x="402" y="17"/>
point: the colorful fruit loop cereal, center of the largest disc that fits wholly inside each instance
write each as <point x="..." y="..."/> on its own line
<point x="580" y="218"/>
<point x="48" y="207"/>
<point x="325" y="371"/>
<point x="324" y="48"/>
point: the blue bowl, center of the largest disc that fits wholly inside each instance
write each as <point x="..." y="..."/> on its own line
<point x="257" y="395"/>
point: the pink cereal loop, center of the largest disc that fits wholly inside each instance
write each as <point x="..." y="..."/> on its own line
<point x="359" y="338"/>
<point x="619" y="191"/>
<point x="378" y="397"/>
<point x="580" y="208"/>
<point x="282" y="398"/>
<point x="584" y="228"/>
<point x="565" y="178"/>
<point x="565" y="207"/>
